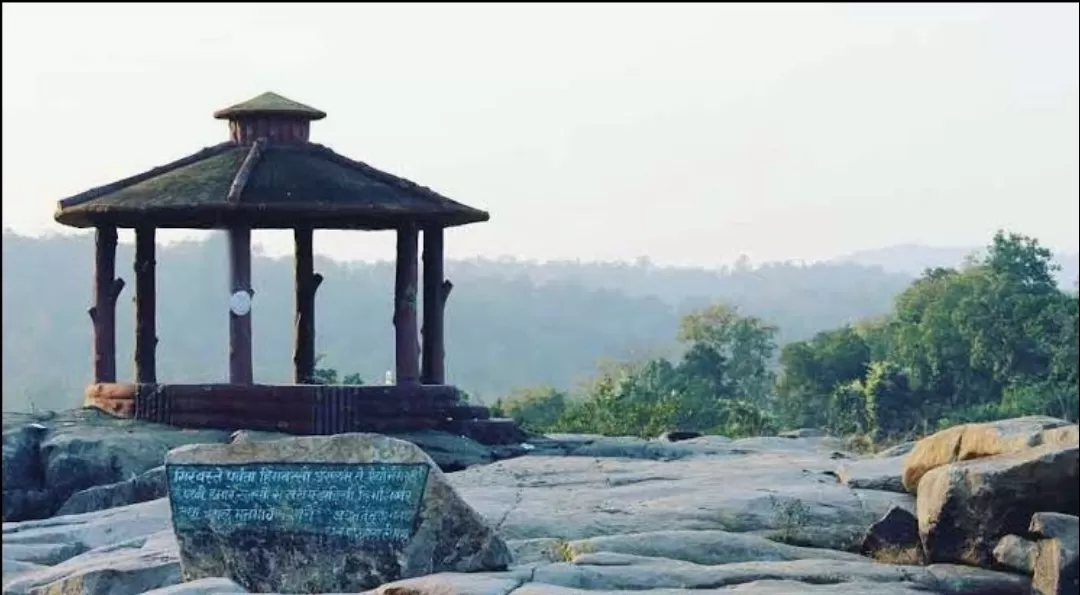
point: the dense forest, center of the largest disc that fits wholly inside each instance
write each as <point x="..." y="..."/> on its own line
<point x="996" y="337"/>
<point x="510" y="324"/>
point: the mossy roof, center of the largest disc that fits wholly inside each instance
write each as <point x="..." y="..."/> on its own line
<point x="269" y="186"/>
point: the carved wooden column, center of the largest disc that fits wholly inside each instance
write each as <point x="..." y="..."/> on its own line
<point x="433" y="367"/>
<point x="107" y="288"/>
<point x="145" y="306"/>
<point x="405" y="337"/>
<point x="240" y="368"/>
<point x="307" y="283"/>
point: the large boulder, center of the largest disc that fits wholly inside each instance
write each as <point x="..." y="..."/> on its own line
<point x="1054" y="525"/>
<point x="22" y="504"/>
<point x="143" y="488"/>
<point x="322" y="514"/>
<point x="120" y="550"/>
<point x="894" y="539"/>
<point x="1057" y="569"/>
<point x="49" y="458"/>
<point x="96" y="449"/>
<point x="22" y="467"/>
<point x="130" y="567"/>
<point x="52" y="541"/>
<point x="24" y="492"/>
<point x="964" y="509"/>
<point x="974" y="441"/>
<point x="1016" y="553"/>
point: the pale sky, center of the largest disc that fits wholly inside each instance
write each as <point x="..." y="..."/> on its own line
<point x="689" y="133"/>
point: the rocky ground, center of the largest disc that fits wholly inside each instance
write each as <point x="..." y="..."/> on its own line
<point x="590" y="515"/>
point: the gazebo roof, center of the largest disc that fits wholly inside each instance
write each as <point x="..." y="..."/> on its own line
<point x="266" y="183"/>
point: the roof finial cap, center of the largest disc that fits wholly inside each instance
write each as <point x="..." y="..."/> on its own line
<point x="270" y="104"/>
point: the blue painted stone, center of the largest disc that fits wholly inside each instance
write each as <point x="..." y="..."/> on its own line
<point x="367" y="502"/>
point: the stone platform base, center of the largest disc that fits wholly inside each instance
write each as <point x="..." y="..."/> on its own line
<point x="303" y="408"/>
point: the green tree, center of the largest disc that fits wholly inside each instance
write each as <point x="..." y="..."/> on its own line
<point x="744" y="343"/>
<point x="743" y="418"/>
<point x="330" y="375"/>
<point x="812" y="370"/>
<point x="720" y="384"/>
<point x="992" y="339"/>
<point x="702" y="372"/>
<point x="537" y="409"/>
<point x="621" y="402"/>
<point x="945" y="340"/>
<point x="892" y="407"/>
<point x="877" y="335"/>
<point x="846" y="410"/>
<point x="1021" y="260"/>
<point x="1056" y="399"/>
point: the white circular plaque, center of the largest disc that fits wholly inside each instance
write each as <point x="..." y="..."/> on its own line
<point x="240" y="303"/>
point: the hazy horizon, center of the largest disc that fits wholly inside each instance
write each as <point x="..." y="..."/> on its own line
<point x="687" y="134"/>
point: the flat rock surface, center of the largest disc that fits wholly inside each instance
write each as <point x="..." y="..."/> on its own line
<point x="584" y="515"/>
<point x="776" y="487"/>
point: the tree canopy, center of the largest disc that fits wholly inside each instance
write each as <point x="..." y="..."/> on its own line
<point x="991" y="339"/>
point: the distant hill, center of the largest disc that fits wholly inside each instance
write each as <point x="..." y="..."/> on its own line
<point x="913" y="259"/>
<point x="509" y="323"/>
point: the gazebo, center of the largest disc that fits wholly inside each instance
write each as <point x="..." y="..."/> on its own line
<point x="268" y="175"/>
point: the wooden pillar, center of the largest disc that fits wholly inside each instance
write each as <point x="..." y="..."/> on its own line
<point x="107" y="289"/>
<point x="240" y="368"/>
<point x="307" y="283"/>
<point x="405" y="337"/>
<point x="433" y="367"/>
<point x="145" y="307"/>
